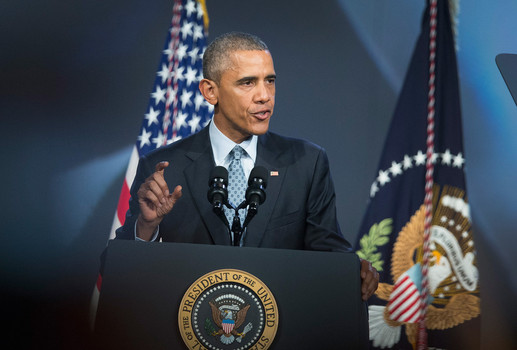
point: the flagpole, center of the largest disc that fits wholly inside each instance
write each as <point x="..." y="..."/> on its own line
<point x="429" y="182"/>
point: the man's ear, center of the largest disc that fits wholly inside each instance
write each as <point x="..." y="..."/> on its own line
<point x="209" y="91"/>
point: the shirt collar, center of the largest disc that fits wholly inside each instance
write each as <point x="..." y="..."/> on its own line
<point x="222" y="145"/>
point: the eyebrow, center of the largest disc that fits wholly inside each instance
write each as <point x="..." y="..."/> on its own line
<point x="243" y="79"/>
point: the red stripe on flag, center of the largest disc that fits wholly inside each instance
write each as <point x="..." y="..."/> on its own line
<point x="417" y="309"/>
<point x="397" y="294"/>
<point x="400" y="302"/>
<point x="407" y="308"/>
<point x="99" y="282"/>
<point x="400" y="287"/>
<point x="123" y="203"/>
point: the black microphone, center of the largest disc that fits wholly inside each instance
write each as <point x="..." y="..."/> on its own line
<point x="218" y="189"/>
<point x="255" y="194"/>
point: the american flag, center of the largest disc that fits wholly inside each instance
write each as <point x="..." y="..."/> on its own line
<point x="176" y="108"/>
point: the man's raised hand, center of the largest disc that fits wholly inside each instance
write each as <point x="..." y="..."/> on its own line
<point x="155" y="202"/>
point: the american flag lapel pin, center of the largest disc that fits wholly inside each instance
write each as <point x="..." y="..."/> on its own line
<point x="273" y="173"/>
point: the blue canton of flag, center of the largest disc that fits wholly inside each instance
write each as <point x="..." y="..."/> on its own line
<point x="177" y="108"/>
<point x="392" y="233"/>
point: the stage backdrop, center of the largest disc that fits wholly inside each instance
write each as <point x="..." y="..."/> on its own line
<point x="75" y="78"/>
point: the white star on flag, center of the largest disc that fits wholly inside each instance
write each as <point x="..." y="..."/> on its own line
<point x="198" y="32"/>
<point x="190" y="8"/>
<point x="194" y="123"/>
<point x="178" y="75"/>
<point x="144" y="138"/>
<point x="180" y="120"/>
<point x="420" y="158"/>
<point x="458" y="160"/>
<point x="186" y="29"/>
<point x="164" y="73"/>
<point x="185" y="98"/>
<point x="199" y="100"/>
<point x="396" y="168"/>
<point x="152" y="116"/>
<point x="408" y="162"/>
<point x="190" y="76"/>
<point x="383" y="177"/>
<point x="447" y="157"/>
<point x="168" y="53"/>
<point x="158" y="95"/>
<point x="182" y="52"/>
<point x="193" y="54"/>
<point x="374" y="189"/>
<point x="158" y="140"/>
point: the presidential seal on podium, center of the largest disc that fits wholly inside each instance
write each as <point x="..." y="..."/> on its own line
<point x="228" y="309"/>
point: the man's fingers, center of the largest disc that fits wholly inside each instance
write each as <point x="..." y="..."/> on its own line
<point x="160" y="167"/>
<point x="370" y="279"/>
<point x="365" y="267"/>
<point x="158" y="191"/>
<point x="173" y="197"/>
<point x="169" y="202"/>
<point x="158" y="177"/>
<point x="176" y="194"/>
<point x="368" y="288"/>
<point x="154" y="196"/>
<point x="154" y="190"/>
<point x="149" y="196"/>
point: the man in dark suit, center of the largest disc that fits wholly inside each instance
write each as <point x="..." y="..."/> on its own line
<point x="299" y="213"/>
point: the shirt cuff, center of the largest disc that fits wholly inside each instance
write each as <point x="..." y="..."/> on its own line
<point x="153" y="238"/>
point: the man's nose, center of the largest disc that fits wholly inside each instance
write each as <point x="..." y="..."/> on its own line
<point x="262" y="94"/>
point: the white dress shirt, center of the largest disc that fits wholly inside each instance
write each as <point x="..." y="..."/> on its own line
<point x="222" y="146"/>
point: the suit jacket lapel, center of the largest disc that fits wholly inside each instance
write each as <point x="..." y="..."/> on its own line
<point x="272" y="157"/>
<point x="196" y="175"/>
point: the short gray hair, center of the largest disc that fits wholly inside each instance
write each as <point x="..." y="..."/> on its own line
<point x="216" y="58"/>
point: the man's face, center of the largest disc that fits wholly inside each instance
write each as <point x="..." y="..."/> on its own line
<point x="246" y="95"/>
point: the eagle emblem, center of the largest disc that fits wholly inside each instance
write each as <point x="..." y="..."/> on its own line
<point x="453" y="274"/>
<point x="228" y="313"/>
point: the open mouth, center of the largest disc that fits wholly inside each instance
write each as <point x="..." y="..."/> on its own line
<point x="262" y="115"/>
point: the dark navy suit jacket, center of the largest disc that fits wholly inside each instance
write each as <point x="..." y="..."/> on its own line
<point x="299" y="211"/>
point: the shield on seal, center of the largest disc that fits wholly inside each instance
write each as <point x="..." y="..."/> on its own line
<point x="228" y="325"/>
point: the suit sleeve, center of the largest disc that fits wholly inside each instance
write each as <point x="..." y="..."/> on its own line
<point x="322" y="231"/>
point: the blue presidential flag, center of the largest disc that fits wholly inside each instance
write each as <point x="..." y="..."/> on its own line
<point x="424" y="139"/>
